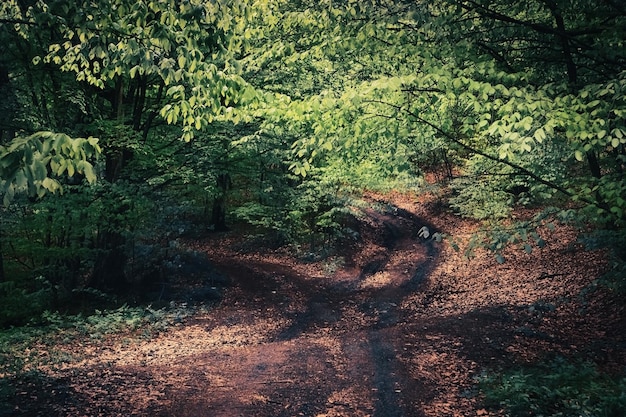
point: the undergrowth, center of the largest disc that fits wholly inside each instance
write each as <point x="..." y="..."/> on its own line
<point x="556" y="388"/>
<point x="18" y="356"/>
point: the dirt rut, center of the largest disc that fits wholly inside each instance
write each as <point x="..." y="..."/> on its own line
<point x="322" y="346"/>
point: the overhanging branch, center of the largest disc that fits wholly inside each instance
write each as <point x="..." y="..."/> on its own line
<point x="520" y="169"/>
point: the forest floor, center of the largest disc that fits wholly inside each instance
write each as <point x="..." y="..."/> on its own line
<point x="395" y="325"/>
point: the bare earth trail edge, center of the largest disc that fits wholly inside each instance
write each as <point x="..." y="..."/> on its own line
<point x="400" y="329"/>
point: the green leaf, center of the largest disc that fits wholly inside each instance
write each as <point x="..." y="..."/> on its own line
<point x="579" y="155"/>
<point x="90" y="174"/>
<point x="8" y="195"/>
<point x="20" y="181"/>
<point x="38" y="170"/>
<point x="539" y="135"/>
<point x="70" y="169"/>
<point x="61" y="167"/>
<point x="50" y="184"/>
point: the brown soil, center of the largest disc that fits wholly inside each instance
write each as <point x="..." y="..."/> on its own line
<point x="398" y="326"/>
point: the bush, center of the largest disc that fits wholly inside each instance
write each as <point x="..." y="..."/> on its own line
<point x="20" y="305"/>
<point x="554" y="389"/>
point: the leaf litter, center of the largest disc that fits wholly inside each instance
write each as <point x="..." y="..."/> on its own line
<point x="401" y="326"/>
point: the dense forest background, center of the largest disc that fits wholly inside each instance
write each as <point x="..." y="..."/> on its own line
<point x="120" y="120"/>
<point x="126" y="125"/>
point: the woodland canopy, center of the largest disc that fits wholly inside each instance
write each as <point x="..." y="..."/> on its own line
<point x="127" y="124"/>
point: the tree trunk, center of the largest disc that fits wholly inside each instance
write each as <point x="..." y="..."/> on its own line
<point x="594" y="165"/>
<point x="7" y="107"/>
<point x="572" y="74"/>
<point x="218" y="213"/>
<point x="139" y="102"/>
<point x="109" y="266"/>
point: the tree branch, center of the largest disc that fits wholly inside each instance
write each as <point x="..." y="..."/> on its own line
<point x="517" y="167"/>
<point x="17" y="22"/>
<point x="570" y="35"/>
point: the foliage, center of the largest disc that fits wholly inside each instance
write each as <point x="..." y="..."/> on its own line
<point x="59" y="237"/>
<point x="185" y="46"/>
<point x="295" y="106"/>
<point x="135" y="65"/>
<point x="19" y="304"/>
<point x="495" y="108"/>
<point x="318" y="211"/>
<point x="489" y="190"/>
<point x="26" y="163"/>
<point x="313" y="212"/>
<point x="105" y="207"/>
<point x="556" y="388"/>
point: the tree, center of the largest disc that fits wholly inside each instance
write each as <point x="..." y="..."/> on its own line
<point x="30" y="164"/>
<point x="526" y="100"/>
<point x="484" y="80"/>
<point x="136" y="62"/>
<point x="572" y="58"/>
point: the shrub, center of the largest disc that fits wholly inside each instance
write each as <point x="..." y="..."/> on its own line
<point x="554" y="389"/>
<point x="19" y="304"/>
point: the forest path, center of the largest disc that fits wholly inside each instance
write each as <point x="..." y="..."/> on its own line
<point x="399" y="328"/>
<point x="313" y="345"/>
<point x="289" y="338"/>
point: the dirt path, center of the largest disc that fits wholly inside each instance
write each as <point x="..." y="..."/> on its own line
<point x="400" y="329"/>
<point x="321" y="346"/>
